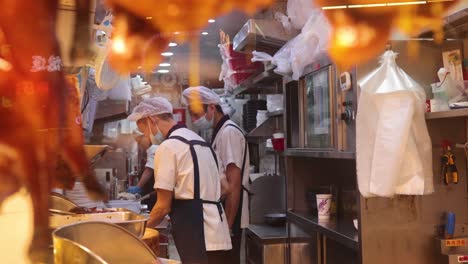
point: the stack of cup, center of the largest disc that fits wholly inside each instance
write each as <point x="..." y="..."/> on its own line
<point x="324" y="206"/>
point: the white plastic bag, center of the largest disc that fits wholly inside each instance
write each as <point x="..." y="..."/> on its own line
<point x="299" y="12"/>
<point x="312" y="41"/>
<point x="261" y="56"/>
<point x="121" y="91"/>
<point x="393" y="147"/>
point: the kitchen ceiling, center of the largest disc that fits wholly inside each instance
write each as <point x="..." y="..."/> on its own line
<point x="210" y="59"/>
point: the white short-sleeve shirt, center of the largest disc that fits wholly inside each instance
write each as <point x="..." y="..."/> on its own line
<point x="229" y="145"/>
<point x="150" y="156"/>
<point x="174" y="171"/>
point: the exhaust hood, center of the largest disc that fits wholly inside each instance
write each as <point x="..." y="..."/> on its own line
<point x="262" y="35"/>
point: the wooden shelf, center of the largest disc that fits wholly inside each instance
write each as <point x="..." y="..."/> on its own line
<point x="310" y="153"/>
<point x="455" y="113"/>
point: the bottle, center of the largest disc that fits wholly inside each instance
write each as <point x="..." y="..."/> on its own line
<point x="108" y="185"/>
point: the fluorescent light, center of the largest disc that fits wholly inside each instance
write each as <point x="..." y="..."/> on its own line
<point x="139" y="67"/>
<point x="204" y="33"/>
<point x="381" y="4"/>
<point x="164" y="64"/>
<point x="172" y="44"/>
<point x="176" y="33"/>
<point x="211" y="20"/>
<point x="163" y="71"/>
<point x="407" y="3"/>
<point x="167" y="54"/>
<point x="367" y="5"/>
<point x="149" y="18"/>
<point x="333" y="7"/>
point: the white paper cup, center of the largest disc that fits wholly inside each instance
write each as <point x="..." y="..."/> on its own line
<point x="323" y="205"/>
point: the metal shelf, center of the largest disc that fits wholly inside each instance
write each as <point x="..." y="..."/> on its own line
<point x="463" y="112"/>
<point x="262" y="82"/>
<point x="341" y="230"/>
<point x="265" y="130"/>
<point x="275" y="113"/>
<point x="310" y="153"/>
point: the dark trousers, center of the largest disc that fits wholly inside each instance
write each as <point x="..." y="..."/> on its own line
<point x="218" y="257"/>
<point x="234" y="257"/>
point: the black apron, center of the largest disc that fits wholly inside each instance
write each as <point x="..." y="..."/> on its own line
<point x="187" y="215"/>
<point x="237" y="222"/>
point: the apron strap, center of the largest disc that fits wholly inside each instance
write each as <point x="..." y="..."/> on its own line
<point x="218" y="204"/>
<point x="244" y="158"/>
<point x="196" y="169"/>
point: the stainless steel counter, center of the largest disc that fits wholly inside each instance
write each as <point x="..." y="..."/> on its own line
<point x="341" y="230"/>
<point x="269" y="234"/>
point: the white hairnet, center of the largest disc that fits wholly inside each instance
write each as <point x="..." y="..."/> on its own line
<point x="200" y="94"/>
<point x="150" y="107"/>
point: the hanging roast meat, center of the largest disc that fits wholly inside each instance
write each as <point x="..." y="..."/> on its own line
<point x="360" y="34"/>
<point x="41" y="141"/>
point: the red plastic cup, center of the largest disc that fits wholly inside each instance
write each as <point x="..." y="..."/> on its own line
<point x="278" y="144"/>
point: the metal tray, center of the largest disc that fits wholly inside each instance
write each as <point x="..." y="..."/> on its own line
<point x="132" y="222"/>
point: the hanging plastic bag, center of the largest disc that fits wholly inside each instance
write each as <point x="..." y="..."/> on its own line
<point x="121" y="91"/>
<point x="299" y="12"/>
<point x="393" y="147"/>
<point x="312" y="41"/>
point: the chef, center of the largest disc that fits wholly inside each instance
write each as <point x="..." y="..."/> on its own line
<point x="230" y="144"/>
<point x="146" y="183"/>
<point x="187" y="183"/>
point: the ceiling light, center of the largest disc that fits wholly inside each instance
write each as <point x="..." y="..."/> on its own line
<point x="167" y="54"/>
<point x="118" y="45"/>
<point x="163" y="71"/>
<point x="149" y="18"/>
<point x="211" y="20"/>
<point x="176" y="33"/>
<point x="139" y="67"/>
<point x="164" y="64"/>
<point x="204" y="33"/>
<point x="172" y="44"/>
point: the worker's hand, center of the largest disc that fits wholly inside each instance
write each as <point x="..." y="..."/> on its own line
<point x="134" y="190"/>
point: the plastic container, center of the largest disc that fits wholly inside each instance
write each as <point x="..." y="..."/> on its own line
<point x="441" y="102"/>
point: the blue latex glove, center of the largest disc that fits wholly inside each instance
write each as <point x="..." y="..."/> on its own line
<point x="134" y="190"/>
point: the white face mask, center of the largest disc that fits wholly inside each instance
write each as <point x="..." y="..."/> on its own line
<point x="155" y="139"/>
<point x="203" y="124"/>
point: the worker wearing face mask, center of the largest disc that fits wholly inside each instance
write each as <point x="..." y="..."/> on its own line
<point x="187" y="183"/>
<point x="230" y="144"/>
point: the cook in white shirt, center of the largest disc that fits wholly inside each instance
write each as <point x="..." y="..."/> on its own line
<point x="187" y="183"/>
<point x="230" y="144"/>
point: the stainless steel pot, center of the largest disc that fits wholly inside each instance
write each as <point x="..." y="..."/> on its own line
<point x="132" y="222"/>
<point x="96" y="242"/>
